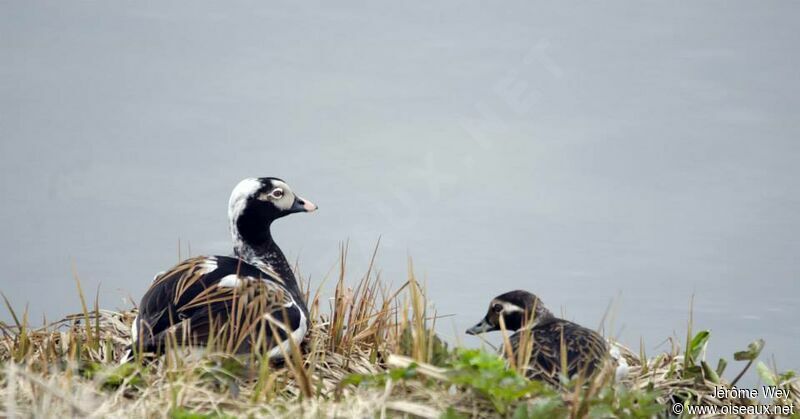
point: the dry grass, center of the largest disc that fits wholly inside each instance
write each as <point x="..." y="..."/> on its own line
<point x="366" y="333"/>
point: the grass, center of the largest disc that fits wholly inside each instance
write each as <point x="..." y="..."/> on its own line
<point x="371" y="352"/>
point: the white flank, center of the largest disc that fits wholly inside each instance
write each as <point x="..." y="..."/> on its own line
<point x="230" y="281"/>
<point x="623" y="368"/>
<point x="296" y="336"/>
<point x="209" y="264"/>
<point x="135" y="330"/>
<point x="300" y="333"/>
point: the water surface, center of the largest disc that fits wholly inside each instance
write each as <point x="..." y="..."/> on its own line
<point x="643" y="153"/>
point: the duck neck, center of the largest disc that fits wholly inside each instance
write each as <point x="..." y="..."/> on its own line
<point x="544" y="317"/>
<point x="254" y="245"/>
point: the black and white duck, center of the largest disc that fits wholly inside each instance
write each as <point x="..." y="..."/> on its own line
<point x="250" y="300"/>
<point x="586" y="351"/>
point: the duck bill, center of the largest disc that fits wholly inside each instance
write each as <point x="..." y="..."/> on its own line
<point x="482" y="327"/>
<point x="303" y="205"/>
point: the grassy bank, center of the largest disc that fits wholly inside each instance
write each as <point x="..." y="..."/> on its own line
<point x="370" y="353"/>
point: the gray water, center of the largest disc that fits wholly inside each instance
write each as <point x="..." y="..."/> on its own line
<point x="641" y="153"/>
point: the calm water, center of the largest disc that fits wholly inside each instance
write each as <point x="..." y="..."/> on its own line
<point x="641" y="153"/>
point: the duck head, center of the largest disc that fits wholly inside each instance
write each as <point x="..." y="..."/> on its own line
<point x="518" y="309"/>
<point x="256" y="202"/>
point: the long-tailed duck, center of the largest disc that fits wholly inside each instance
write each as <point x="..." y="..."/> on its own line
<point x="247" y="301"/>
<point x="585" y="349"/>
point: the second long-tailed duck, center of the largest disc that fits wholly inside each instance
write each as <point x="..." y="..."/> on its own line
<point x="585" y="350"/>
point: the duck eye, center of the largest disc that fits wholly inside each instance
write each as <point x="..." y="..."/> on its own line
<point x="497" y="308"/>
<point x="277" y="193"/>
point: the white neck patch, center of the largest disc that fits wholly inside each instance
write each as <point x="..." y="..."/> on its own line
<point x="243" y="190"/>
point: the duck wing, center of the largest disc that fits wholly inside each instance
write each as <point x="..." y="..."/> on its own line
<point x="221" y="301"/>
<point x="585" y="351"/>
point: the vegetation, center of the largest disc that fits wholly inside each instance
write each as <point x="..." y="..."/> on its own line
<point x="371" y="352"/>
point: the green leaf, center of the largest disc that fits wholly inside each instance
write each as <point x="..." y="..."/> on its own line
<point x="697" y="345"/>
<point x="695" y="371"/>
<point x="125" y="371"/>
<point x="765" y="373"/>
<point x="752" y="351"/>
<point x="404" y="373"/>
<point x="489" y="376"/>
<point x="786" y="376"/>
<point x="181" y="413"/>
<point x="111" y="377"/>
<point x="547" y="407"/>
<point x="709" y="372"/>
<point x="721" y="366"/>
<point x="353" y="379"/>
<point x="601" y="411"/>
<point x="451" y="413"/>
